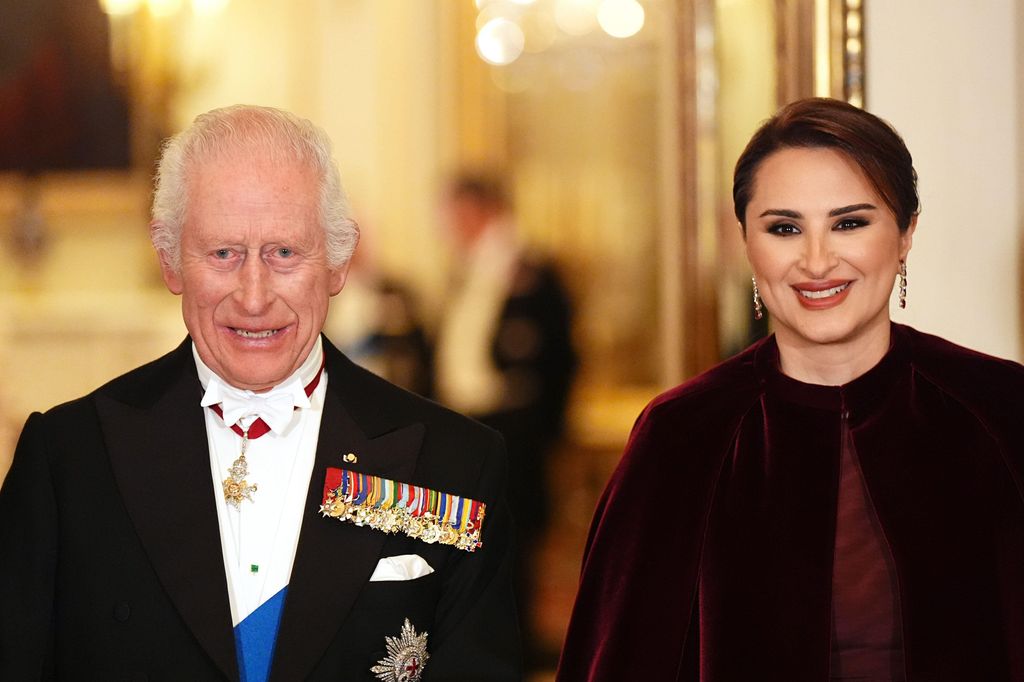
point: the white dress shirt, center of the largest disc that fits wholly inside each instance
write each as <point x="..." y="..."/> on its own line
<point x="467" y="379"/>
<point x="259" y="537"/>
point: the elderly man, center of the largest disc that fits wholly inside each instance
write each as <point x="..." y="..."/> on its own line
<point x="252" y="505"/>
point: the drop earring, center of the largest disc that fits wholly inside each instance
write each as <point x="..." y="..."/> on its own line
<point x="758" y="308"/>
<point x="902" y="284"/>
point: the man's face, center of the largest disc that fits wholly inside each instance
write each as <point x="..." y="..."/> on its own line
<point x="254" y="279"/>
<point x="467" y="218"/>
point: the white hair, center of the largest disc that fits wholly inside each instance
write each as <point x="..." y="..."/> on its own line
<point x="268" y="133"/>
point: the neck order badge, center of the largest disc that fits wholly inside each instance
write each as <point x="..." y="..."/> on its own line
<point x="236" y="487"/>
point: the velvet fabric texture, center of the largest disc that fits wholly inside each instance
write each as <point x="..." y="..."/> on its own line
<point x="710" y="554"/>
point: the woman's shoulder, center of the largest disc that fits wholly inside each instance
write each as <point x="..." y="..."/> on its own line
<point x="990" y="388"/>
<point x="948" y="363"/>
<point x="729" y="387"/>
<point x="683" y="433"/>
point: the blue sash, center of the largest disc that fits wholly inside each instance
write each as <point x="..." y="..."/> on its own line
<point x="255" y="638"/>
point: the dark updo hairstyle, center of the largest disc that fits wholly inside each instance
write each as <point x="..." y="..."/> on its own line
<point x="865" y="139"/>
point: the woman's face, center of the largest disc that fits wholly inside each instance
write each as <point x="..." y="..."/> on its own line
<point x="824" y="247"/>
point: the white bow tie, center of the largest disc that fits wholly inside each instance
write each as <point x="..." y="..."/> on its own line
<point x="276" y="407"/>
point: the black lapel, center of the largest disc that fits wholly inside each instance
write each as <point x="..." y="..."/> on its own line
<point x="334" y="560"/>
<point x="156" y="436"/>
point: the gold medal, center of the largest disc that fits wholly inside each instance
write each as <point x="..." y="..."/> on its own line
<point x="236" y="488"/>
<point x="393" y="507"/>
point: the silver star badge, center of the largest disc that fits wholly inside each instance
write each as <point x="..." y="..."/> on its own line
<point x="406" y="659"/>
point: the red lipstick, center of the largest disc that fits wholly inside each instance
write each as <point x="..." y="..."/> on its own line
<point x="822" y="295"/>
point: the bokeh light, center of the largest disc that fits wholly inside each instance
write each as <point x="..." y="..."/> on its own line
<point x="120" y="7"/>
<point x="576" y="17"/>
<point x="500" y="41"/>
<point x="208" y="7"/>
<point x="164" y="8"/>
<point x="620" y="18"/>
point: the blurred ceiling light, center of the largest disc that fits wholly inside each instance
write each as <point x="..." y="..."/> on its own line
<point x="120" y="7"/>
<point x="524" y="2"/>
<point x="208" y="7"/>
<point x="500" y="42"/>
<point x="576" y="17"/>
<point x="620" y="18"/>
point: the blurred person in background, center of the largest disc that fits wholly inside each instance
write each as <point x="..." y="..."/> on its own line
<point x="377" y="324"/>
<point x="253" y="505"/>
<point x="504" y="356"/>
<point x="843" y="500"/>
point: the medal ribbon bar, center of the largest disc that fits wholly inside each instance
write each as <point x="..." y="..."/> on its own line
<point x="395" y="507"/>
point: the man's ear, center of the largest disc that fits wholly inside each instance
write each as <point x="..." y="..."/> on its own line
<point x="337" y="278"/>
<point x="172" y="278"/>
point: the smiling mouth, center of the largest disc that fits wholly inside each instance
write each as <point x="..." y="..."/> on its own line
<point x="247" y="334"/>
<point x="824" y="293"/>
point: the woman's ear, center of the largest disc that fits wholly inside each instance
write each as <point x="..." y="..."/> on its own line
<point x="907" y="238"/>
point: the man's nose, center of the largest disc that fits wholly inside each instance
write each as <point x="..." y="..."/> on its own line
<point x="254" y="291"/>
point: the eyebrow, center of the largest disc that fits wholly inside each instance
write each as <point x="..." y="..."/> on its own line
<point x="784" y="212"/>
<point x="842" y="210"/>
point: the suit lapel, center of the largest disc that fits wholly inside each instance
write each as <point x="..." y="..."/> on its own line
<point x="160" y="457"/>
<point x="333" y="560"/>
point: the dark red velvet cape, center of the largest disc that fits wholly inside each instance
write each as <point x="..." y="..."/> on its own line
<point x="710" y="554"/>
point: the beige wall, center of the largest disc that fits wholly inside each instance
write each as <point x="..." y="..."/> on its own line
<point x="946" y="75"/>
<point x="86" y="308"/>
<point x="370" y="72"/>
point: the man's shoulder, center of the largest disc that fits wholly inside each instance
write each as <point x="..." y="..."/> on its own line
<point x="456" y="453"/>
<point x="137" y="387"/>
<point x="376" y="401"/>
<point x="536" y="275"/>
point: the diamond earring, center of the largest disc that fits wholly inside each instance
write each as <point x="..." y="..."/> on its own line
<point x="902" y="284"/>
<point x="758" y="308"/>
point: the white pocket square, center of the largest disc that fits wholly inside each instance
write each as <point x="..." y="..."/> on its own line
<point x="401" y="567"/>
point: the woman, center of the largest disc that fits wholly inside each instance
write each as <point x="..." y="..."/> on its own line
<point x="842" y="500"/>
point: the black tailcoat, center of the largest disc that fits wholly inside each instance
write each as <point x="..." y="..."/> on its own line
<point x="110" y="552"/>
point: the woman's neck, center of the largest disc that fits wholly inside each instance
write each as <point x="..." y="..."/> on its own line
<point x="832" y="364"/>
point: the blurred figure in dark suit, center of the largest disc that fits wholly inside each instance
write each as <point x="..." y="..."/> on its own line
<point x="504" y="356"/>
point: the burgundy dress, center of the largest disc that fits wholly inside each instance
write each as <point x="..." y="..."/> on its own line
<point x="867" y="640"/>
<point x="759" y="528"/>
